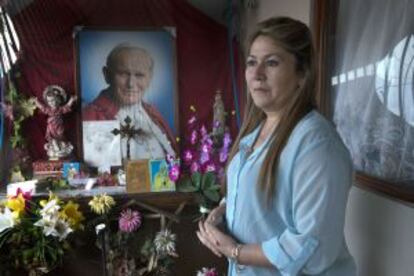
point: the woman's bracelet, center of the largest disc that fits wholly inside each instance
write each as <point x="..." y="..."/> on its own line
<point x="235" y="252"/>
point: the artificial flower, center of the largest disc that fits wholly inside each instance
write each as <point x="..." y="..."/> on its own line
<point x="53" y="226"/>
<point x="174" y="172"/>
<point x="210" y="167"/>
<point x="17" y="204"/>
<point x="6" y="220"/>
<point x="170" y="159"/>
<point x="63" y="229"/>
<point x="195" y="167"/>
<point x="188" y="156"/>
<point x="204" y="157"/>
<point x="194" y="137"/>
<point x="223" y="155"/>
<point x="71" y="213"/>
<point x="164" y="243"/>
<point x="52" y="196"/>
<point x="129" y="221"/>
<point x="106" y="179"/>
<point x="192" y="120"/>
<point x="207" y="272"/>
<point x="203" y="131"/>
<point x="50" y="209"/>
<point x="26" y="195"/>
<point x="101" y="204"/>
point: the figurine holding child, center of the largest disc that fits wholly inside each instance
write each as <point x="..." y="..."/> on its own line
<point x="55" y="97"/>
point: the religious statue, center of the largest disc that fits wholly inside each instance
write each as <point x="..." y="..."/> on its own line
<point x="55" y="97"/>
<point x="219" y="115"/>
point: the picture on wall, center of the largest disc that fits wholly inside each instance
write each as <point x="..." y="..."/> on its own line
<point x="128" y="74"/>
<point x="370" y="87"/>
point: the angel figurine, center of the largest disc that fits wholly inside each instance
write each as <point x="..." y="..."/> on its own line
<point x="55" y="97"/>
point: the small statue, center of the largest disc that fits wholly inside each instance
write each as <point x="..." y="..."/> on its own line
<point x="219" y="115"/>
<point x="54" y="96"/>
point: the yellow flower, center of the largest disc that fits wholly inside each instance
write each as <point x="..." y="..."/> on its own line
<point x="52" y="196"/>
<point x="17" y="204"/>
<point x="101" y="204"/>
<point x="72" y="214"/>
<point x="192" y="108"/>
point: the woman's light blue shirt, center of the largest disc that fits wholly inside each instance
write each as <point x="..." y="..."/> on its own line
<point x="302" y="232"/>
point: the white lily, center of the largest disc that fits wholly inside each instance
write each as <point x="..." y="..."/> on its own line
<point x="62" y="229"/>
<point x="50" y="209"/>
<point x="54" y="227"/>
<point x="6" y="220"/>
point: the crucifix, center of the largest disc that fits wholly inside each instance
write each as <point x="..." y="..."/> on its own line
<point x="128" y="131"/>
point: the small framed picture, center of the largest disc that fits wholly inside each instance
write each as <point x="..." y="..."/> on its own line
<point x="160" y="181"/>
<point x="70" y="169"/>
<point x="137" y="176"/>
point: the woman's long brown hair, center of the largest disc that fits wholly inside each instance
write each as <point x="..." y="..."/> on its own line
<point x="295" y="38"/>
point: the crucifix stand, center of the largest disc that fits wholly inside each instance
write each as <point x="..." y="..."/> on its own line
<point x="127" y="131"/>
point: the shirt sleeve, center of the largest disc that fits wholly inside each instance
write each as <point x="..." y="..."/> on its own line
<point x="322" y="176"/>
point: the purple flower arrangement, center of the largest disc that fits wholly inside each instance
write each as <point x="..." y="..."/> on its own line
<point x="202" y="163"/>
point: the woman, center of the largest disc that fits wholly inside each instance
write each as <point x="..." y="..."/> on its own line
<point x="289" y="174"/>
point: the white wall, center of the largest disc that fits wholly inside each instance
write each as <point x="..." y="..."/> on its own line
<point x="379" y="231"/>
<point x="380" y="234"/>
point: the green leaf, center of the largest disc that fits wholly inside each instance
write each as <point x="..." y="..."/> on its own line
<point x="4" y="236"/>
<point x="186" y="185"/>
<point x="196" y="179"/>
<point x="27" y="107"/>
<point x="208" y="180"/>
<point x="212" y="195"/>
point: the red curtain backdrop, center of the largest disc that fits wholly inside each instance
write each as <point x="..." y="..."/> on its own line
<point x="45" y="28"/>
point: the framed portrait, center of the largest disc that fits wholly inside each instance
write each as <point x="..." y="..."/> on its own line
<point x="127" y="76"/>
<point x="367" y="87"/>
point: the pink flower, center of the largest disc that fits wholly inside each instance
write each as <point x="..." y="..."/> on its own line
<point x="195" y="167"/>
<point x="188" y="156"/>
<point x="129" y="221"/>
<point x="223" y="156"/>
<point x="203" y="131"/>
<point x="26" y="195"/>
<point x="174" y="172"/>
<point x="170" y="159"/>
<point x="210" y="168"/>
<point x="194" y="137"/>
<point x="106" y="179"/>
<point x="207" y="272"/>
<point x="226" y="140"/>
<point x="192" y="120"/>
<point x="204" y="158"/>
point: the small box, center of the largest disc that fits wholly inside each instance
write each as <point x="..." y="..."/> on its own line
<point x="47" y="168"/>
